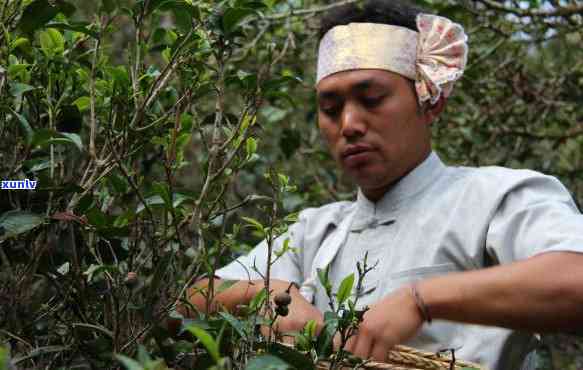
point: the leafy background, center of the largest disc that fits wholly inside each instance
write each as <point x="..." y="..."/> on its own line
<point x="154" y="127"/>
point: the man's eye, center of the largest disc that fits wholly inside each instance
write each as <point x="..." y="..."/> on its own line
<point x="372" y="102"/>
<point x="330" y="111"/>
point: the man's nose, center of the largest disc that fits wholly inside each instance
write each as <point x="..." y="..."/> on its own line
<point x="353" y="124"/>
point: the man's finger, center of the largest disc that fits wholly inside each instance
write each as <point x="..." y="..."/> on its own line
<point x="363" y="345"/>
<point x="379" y="351"/>
<point x="337" y="341"/>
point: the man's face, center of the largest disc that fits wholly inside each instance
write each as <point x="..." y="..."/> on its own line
<point x="373" y="126"/>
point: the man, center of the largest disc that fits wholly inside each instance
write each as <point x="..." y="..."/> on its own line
<point x="471" y="259"/>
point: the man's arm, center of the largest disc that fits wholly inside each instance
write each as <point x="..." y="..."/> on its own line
<point x="541" y="294"/>
<point x="241" y="293"/>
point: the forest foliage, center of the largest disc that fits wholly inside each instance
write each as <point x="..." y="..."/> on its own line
<point x="168" y="136"/>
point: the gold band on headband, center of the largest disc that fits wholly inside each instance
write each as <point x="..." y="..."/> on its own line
<point x="434" y="57"/>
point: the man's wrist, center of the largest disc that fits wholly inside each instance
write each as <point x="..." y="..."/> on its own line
<point x="420" y="303"/>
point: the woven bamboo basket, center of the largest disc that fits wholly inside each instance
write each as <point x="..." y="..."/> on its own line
<point x="406" y="358"/>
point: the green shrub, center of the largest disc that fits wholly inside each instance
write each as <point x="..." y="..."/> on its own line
<point x="152" y="126"/>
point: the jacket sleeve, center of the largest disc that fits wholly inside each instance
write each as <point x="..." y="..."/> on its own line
<point x="286" y="264"/>
<point x="537" y="215"/>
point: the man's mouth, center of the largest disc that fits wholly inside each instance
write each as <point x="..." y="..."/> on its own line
<point x="356" y="155"/>
<point x="352" y="150"/>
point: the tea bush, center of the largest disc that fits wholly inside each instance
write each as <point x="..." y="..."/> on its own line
<point x="166" y="137"/>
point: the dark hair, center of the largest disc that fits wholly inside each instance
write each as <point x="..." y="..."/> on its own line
<point x="391" y="12"/>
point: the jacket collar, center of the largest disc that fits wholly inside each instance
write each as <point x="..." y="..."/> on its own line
<point x="383" y="211"/>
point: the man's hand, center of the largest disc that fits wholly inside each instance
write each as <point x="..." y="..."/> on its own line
<point x="393" y="320"/>
<point x="300" y="310"/>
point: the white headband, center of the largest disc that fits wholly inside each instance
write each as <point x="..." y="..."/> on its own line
<point x="434" y="57"/>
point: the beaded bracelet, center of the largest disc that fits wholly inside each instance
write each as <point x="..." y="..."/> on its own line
<point x="421" y="304"/>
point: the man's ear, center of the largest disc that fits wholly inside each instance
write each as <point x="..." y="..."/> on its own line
<point x="432" y="112"/>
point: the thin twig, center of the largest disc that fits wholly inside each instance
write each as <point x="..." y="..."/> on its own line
<point x="561" y="11"/>
<point x="93" y="119"/>
<point x="311" y="11"/>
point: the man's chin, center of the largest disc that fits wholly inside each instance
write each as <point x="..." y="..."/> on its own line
<point x="369" y="178"/>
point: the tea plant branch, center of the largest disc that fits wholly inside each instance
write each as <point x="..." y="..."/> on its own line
<point x="170" y="158"/>
<point x="236" y="132"/>
<point x="16" y="337"/>
<point x="93" y="119"/>
<point x="10" y="18"/>
<point x="310" y="11"/>
<point x="269" y="241"/>
<point x="162" y="80"/>
<point x="133" y="185"/>
<point x="167" y="114"/>
<point x="231" y="156"/>
<point x="4" y="7"/>
<point x="105" y="166"/>
<point x="556" y="11"/>
<point x="264" y="26"/>
<point x="137" y="52"/>
<point x="196" y="216"/>
<point x="248" y="199"/>
<point x="136" y="337"/>
<point x="211" y="290"/>
<point x="288" y="40"/>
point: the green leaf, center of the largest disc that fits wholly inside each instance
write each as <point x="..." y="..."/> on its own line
<point x="143" y="355"/>
<point x="95" y="270"/>
<point x="130" y="364"/>
<point x="45" y="137"/>
<point x="267" y="362"/>
<point x="17" y="222"/>
<point x="258" y="300"/>
<point x="40" y="351"/>
<point x="157" y="201"/>
<point x="21" y="41"/>
<point x="251" y="146"/>
<point x="345" y="289"/>
<point x="82" y="103"/>
<point x="325" y="339"/>
<point x="108" y="6"/>
<point x="324" y="279"/>
<point x="233" y="17"/>
<point x="73" y="139"/>
<point x="52" y="42"/>
<point x="290" y="142"/>
<point x="120" y="75"/>
<point x="15" y="69"/>
<point x="39" y="12"/>
<point x="225" y="284"/>
<point x="41" y="165"/>
<point x="254" y="224"/>
<point x="251" y="4"/>
<point x="207" y="341"/>
<point x="80" y="27"/>
<point x="4" y="358"/>
<point x="184" y="13"/>
<point x="310" y="328"/>
<point x="25" y="125"/>
<point x="291" y="356"/>
<point x="96" y="218"/>
<point x="17" y="89"/>
<point x="235" y="323"/>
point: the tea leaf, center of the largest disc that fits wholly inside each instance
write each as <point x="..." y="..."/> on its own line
<point x="207" y="341"/>
<point x="17" y="222"/>
<point x="345" y="289"/>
